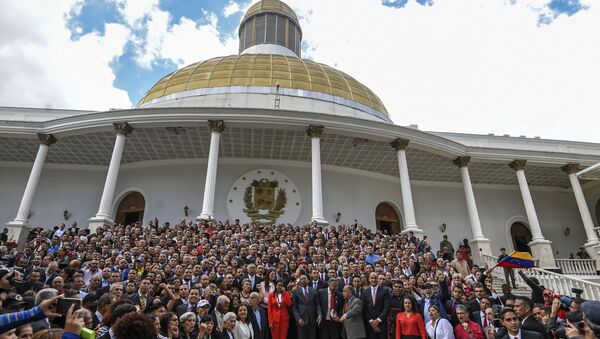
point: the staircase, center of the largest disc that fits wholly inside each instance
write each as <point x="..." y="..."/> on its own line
<point x="522" y="288"/>
<point x="559" y="283"/>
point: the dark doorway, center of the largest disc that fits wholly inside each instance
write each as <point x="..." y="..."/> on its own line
<point x="521" y="237"/>
<point x="131" y="209"/>
<point x="387" y="219"/>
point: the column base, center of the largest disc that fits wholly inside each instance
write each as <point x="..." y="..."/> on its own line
<point x="413" y="228"/>
<point x="479" y="247"/>
<point x="18" y="232"/>
<point x="319" y="221"/>
<point x="205" y="217"/>
<point x="593" y="250"/>
<point x="96" y="222"/>
<point x="542" y="251"/>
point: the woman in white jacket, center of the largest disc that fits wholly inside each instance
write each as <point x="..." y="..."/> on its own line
<point x="438" y="327"/>
<point x="243" y="326"/>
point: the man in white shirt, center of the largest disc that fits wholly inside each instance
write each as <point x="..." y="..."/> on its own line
<point x="512" y="323"/>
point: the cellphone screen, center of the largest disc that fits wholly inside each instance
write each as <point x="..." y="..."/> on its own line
<point x="65" y="303"/>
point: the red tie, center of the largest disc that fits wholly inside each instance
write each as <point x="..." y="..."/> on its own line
<point x="306" y="294"/>
<point x="485" y="322"/>
<point x="331" y="302"/>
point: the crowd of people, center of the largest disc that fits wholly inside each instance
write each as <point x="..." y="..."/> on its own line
<point x="253" y="281"/>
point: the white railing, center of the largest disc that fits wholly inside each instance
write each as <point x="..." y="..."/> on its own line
<point x="577" y="266"/>
<point x="559" y="283"/>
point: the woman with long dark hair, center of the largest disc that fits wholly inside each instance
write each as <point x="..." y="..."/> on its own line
<point x="277" y="313"/>
<point x="169" y="325"/>
<point x="409" y="323"/>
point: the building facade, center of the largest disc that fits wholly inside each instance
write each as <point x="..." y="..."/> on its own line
<point x="265" y="136"/>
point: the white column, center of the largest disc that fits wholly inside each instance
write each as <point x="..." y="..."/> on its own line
<point x="19" y="227"/>
<point x="104" y="215"/>
<point x="479" y="243"/>
<point x="407" y="201"/>
<point x="314" y="132"/>
<point x="541" y="248"/>
<point x="588" y="224"/>
<point x="216" y="128"/>
<point x="592" y="237"/>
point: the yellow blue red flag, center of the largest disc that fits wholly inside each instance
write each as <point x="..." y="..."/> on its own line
<point x="517" y="260"/>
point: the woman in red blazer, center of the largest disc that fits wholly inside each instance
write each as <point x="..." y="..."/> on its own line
<point x="277" y="311"/>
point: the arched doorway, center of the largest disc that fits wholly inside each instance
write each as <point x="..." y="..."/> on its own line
<point x="131" y="209"/>
<point x="521" y="237"/>
<point x="387" y="219"/>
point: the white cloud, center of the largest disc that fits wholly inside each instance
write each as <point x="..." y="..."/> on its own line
<point x="466" y="65"/>
<point x="44" y="68"/>
<point x="182" y="43"/>
<point x="231" y="8"/>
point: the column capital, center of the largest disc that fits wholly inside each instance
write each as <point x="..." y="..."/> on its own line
<point x="462" y="161"/>
<point x="123" y="128"/>
<point x="216" y="126"/>
<point x="314" y="131"/>
<point x="46" y="139"/>
<point x="400" y="144"/>
<point x="518" y="165"/>
<point x="570" y="168"/>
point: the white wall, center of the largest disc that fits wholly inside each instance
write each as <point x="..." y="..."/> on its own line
<point x="168" y="188"/>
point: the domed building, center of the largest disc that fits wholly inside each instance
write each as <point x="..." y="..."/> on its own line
<point x="266" y="136"/>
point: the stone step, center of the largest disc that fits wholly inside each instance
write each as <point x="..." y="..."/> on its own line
<point x="522" y="289"/>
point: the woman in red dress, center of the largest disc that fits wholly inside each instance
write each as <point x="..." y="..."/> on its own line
<point x="409" y="323"/>
<point x="277" y="311"/>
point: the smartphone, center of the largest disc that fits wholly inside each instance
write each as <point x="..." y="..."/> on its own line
<point x="65" y="303"/>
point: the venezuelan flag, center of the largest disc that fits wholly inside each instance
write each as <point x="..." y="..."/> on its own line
<point x="517" y="260"/>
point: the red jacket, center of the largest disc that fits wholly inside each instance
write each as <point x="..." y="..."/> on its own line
<point x="279" y="313"/>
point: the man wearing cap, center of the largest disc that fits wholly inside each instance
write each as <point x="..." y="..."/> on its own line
<point x="202" y="309"/>
<point x="433" y="299"/>
<point x="508" y="271"/>
<point x="591" y="321"/>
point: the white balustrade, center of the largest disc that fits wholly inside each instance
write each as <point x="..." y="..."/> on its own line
<point x="559" y="283"/>
<point x="577" y="266"/>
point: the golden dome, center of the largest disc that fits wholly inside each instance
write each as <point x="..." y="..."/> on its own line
<point x="266" y="70"/>
<point x="270" y="6"/>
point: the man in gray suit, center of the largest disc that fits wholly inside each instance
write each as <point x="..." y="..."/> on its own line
<point x="352" y="318"/>
<point x="306" y="309"/>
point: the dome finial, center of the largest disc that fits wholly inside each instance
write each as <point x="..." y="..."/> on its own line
<point x="270" y="27"/>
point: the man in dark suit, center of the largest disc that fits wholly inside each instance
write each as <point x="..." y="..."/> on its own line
<point x="376" y="307"/>
<point x="143" y="299"/>
<point x="306" y="310"/>
<point x="478" y="293"/>
<point x="479" y="316"/>
<point x="258" y="317"/>
<point x="192" y="302"/>
<point x="346" y="278"/>
<point x="331" y="302"/>
<point x="524" y="310"/>
<point x="514" y="329"/>
<point x="255" y="280"/>
<point x="315" y="282"/>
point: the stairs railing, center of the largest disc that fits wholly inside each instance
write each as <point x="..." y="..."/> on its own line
<point x="556" y="282"/>
<point x="577" y="266"/>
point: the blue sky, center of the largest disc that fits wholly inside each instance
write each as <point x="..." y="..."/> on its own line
<point x="136" y="80"/>
<point x="476" y="66"/>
